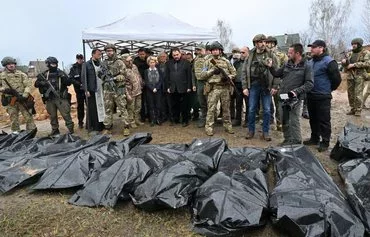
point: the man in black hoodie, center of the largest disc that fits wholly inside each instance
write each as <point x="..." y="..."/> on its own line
<point x="326" y="79"/>
<point x="75" y="77"/>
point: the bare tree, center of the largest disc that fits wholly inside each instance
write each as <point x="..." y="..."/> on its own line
<point x="328" y="21"/>
<point x="306" y="37"/>
<point x="224" y="33"/>
<point x="366" y="20"/>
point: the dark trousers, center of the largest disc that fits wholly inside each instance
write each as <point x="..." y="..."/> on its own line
<point x="166" y="107"/>
<point x="180" y="105"/>
<point x="236" y="103"/>
<point x="144" y="113"/>
<point x="154" y="105"/>
<point x="80" y="96"/>
<point x="319" y="111"/>
<point x="194" y="104"/>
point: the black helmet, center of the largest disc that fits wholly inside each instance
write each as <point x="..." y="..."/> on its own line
<point x="110" y="46"/>
<point x="216" y="45"/>
<point x="51" y="60"/>
<point x="8" y="60"/>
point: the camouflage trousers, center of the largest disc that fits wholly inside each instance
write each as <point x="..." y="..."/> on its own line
<point x="221" y="94"/>
<point x="52" y="106"/>
<point x="13" y="112"/>
<point x="133" y="109"/>
<point x="111" y="99"/>
<point x="366" y="92"/>
<point x="355" y="88"/>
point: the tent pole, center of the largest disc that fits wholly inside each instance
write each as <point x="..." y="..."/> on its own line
<point x="84" y="49"/>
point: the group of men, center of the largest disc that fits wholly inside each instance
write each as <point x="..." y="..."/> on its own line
<point x="264" y="78"/>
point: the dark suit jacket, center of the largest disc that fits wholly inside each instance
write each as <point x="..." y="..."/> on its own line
<point x="178" y="80"/>
<point x="88" y="77"/>
<point x="159" y="85"/>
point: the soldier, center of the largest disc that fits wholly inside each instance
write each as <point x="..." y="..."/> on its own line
<point x="53" y="86"/>
<point x="114" y="87"/>
<point x="199" y="83"/>
<point x="134" y="86"/>
<point x="75" y="77"/>
<point x="218" y="87"/>
<point x="18" y="81"/>
<point x="258" y="83"/>
<point x="357" y="67"/>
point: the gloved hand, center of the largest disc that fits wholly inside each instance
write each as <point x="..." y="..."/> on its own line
<point x="216" y="71"/>
<point x="8" y="91"/>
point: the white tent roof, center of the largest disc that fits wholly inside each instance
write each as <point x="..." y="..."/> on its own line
<point x="149" y="27"/>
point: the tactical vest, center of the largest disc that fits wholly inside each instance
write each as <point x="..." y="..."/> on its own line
<point x="322" y="83"/>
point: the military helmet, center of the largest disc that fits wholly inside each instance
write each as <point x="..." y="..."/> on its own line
<point x="110" y="46"/>
<point x="259" y="37"/>
<point x="51" y="60"/>
<point x="8" y="60"/>
<point x="271" y="39"/>
<point x="216" y="45"/>
<point x="358" y="41"/>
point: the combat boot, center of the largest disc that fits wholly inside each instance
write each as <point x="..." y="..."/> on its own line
<point x="133" y="125"/>
<point x="107" y="130"/>
<point x="209" y="132"/>
<point x="201" y="123"/>
<point x="250" y="135"/>
<point x="358" y="113"/>
<point x="229" y="130"/>
<point x="311" y="142"/>
<point x="266" y="136"/>
<point x="54" y="132"/>
<point x="126" y="132"/>
<point x="323" y="146"/>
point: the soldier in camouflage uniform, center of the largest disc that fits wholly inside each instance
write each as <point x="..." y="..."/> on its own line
<point x="218" y="87"/>
<point x="199" y="83"/>
<point x="134" y="85"/>
<point x="114" y="87"/>
<point x="19" y="82"/>
<point x="357" y="66"/>
<point x="53" y="86"/>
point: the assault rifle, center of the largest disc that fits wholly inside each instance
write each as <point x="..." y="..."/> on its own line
<point x="347" y="59"/>
<point x="225" y="76"/>
<point x="108" y="77"/>
<point x="27" y="103"/>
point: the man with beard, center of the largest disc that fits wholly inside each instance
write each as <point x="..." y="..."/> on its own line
<point x="92" y="85"/>
<point x="296" y="80"/>
<point x="75" y="77"/>
<point x="178" y="84"/>
<point x="199" y="83"/>
<point x="357" y="66"/>
<point x="326" y="79"/>
<point x="53" y="86"/>
<point x="218" y="87"/>
<point x="13" y="79"/>
<point x="133" y="87"/>
<point x="114" y="86"/>
<point x="140" y="62"/>
<point x="258" y="83"/>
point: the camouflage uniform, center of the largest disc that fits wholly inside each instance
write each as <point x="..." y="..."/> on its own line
<point x="199" y="82"/>
<point x="134" y="89"/>
<point x="118" y="95"/>
<point x="219" y="91"/>
<point x="356" y="78"/>
<point x="22" y="84"/>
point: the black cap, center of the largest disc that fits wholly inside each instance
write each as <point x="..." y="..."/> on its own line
<point x="79" y="56"/>
<point x="317" y="43"/>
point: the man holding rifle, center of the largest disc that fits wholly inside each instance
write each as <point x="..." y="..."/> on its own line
<point x="219" y="74"/>
<point x="15" y="87"/>
<point x="53" y="86"/>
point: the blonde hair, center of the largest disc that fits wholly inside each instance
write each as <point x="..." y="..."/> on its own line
<point x="151" y="58"/>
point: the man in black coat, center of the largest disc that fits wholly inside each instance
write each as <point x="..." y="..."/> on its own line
<point x="178" y="84"/>
<point x="142" y="65"/>
<point x="75" y="77"/>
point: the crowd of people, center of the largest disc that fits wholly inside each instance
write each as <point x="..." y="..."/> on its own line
<point x="176" y="87"/>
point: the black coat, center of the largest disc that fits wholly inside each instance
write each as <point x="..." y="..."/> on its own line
<point x="159" y="86"/>
<point x="141" y="66"/>
<point x="88" y="77"/>
<point x="75" y="77"/>
<point x="178" y="80"/>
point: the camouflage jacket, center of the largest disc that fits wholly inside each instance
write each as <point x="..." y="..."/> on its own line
<point x="117" y="68"/>
<point x="362" y="65"/>
<point x="208" y="69"/>
<point x="134" y="82"/>
<point x="281" y="57"/>
<point x="198" y="64"/>
<point x="17" y="80"/>
<point x="246" y="71"/>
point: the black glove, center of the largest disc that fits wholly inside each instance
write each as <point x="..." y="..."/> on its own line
<point x="8" y="91"/>
<point x="216" y="71"/>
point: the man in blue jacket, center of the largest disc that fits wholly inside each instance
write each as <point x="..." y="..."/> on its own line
<point x="326" y="79"/>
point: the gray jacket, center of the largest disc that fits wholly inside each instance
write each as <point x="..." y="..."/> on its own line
<point x="297" y="78"/>
<point x="246" y="71"/>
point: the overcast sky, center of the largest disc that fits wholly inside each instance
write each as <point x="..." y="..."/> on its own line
<point x="37" y="29"/>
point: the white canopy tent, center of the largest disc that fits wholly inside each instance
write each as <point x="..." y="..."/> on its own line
<point x="156" y="32"/>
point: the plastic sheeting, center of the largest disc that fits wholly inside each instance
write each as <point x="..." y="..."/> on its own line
<point x="305" y="201"/>
<point x="353" y="142"/>
<point x="356" y="175"/>
<point x="226" y="205"/>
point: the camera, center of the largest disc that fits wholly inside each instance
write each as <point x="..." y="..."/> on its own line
<point x="289" y="101"/>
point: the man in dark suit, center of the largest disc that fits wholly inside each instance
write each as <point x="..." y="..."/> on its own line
<point x="178" y="84"/>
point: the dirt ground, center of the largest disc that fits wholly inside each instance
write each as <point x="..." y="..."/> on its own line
<point x="25" y="213"/>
